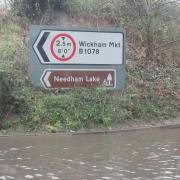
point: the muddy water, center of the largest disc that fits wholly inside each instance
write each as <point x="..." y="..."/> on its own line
<point x="143" y="155"/>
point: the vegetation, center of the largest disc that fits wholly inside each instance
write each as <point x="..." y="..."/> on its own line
<point x="152" y="88"/>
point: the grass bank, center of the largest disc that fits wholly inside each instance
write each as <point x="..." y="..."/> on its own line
<point x="151" y="95"/>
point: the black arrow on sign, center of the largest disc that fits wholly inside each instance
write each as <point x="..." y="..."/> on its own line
<point x="40" y="46"/>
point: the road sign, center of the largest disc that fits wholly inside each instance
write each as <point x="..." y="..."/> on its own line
<point x="66" y="58"/>
<point x="79" y="47"/>
<point x="69" y="78"/>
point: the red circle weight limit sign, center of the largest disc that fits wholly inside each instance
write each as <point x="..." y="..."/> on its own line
<point x="63" y="47"/>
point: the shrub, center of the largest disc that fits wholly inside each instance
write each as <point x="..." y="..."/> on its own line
<point x="6" y="99"/>
<point x="34" y="9"/>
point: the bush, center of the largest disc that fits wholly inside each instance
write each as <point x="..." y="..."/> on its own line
<point x="75" y="110"/>
<point x="31" y="9"/>
<point x="6" y="99"/>
<point x="34" y="9"/>
<point x="12" y="66"/>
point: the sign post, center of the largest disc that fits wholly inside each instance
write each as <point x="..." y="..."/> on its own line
<point x="61" y="58"/>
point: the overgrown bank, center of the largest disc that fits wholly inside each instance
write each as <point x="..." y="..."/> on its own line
<point x="151" y="94"/>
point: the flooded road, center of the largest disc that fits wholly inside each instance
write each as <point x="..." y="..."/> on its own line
<point x="141" y="155"/>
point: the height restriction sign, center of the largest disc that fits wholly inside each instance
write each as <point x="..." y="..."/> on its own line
<point x="63" y="47"/>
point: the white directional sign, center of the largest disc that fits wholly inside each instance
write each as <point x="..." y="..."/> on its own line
<point x="78" y="47"/>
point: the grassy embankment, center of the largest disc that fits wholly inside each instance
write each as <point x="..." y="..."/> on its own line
<point x="151" y="94"/>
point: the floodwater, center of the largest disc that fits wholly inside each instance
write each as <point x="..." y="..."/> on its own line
<point x="138" y="155"/>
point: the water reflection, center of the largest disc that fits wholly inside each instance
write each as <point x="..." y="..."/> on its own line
<point x="143" y="155"/>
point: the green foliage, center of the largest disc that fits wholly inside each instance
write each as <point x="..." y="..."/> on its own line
<point x="75" y="110"/>
<point x="5" y="97"/>
<point x="152" y="87"/>
<point x="84" y="109"/>
<point x="30" y="9"/>
<point x="11" y="69"/>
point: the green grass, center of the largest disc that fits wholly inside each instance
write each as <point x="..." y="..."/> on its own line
<point x="88" y="109"/>
<point x="151" y="93"/>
